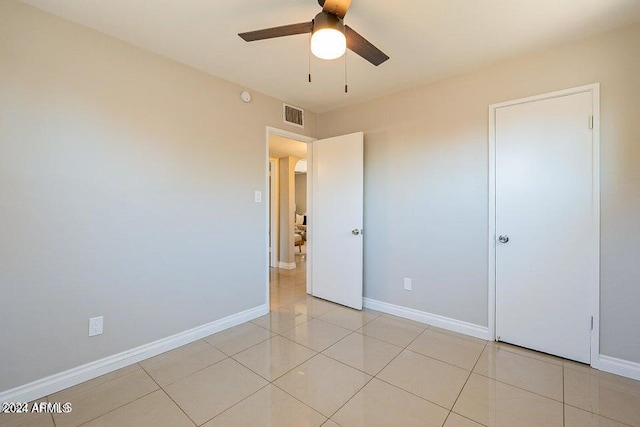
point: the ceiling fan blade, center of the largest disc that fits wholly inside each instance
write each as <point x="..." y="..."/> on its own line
<point x="336" y="7"/>
<point x="363" y="47"/>
<point x="270" y="33"/>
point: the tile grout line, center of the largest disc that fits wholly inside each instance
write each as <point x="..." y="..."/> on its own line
<point x="238" y="352"/>
<point x="349" y="399"/>
<point x="413" y="394"/>
<point x="465" y="383"/>
<point x="118" y="407"/>
<point x="301" y="324"/>
<point x="279" y="376"/>
<point x="234" y="405"/>
<point x="405" y="347"/>
<point x="324" y="321"/>
<point x="435" y="358"/>
<point x="194" y="372"/>
<point x="318" y="353"/>
<point x="296" y="366"/>
<point x="272" y="382"/>
<point x="599" y="415"/>
<point x="467" y="418"/>
<point x="269" y="382"/>
<point x="466" y="339"/>
<point x="509" y="384"/>
<point x="305" y="404"/>
<point x="111" y="410"/>
<point x="340" y="340"/>
<point x="519" y="388"/>
<point x="528" y="356"/>
<point x="564" y="413"/>
<point x="279" y="334"/>
<point x="167" y="394"/>
<point x="408" y="391"/>
<point x="331" y="324"/>
<point x="376" y="376"/>
<point x="53" y="420"/>
<point x="358" y="369"/>
<point x="351" y="332"/>
<point x="224" y="352"/>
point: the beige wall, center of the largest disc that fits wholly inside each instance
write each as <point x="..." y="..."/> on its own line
<point x="126" y="190"/>
<point x="301" y="193"/>
<point x="426" y="182"/>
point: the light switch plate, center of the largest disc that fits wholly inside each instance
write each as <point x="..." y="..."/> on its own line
<point x="257" y="196"/>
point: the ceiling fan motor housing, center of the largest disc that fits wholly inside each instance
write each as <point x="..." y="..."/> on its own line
<point x="324" y="20"/>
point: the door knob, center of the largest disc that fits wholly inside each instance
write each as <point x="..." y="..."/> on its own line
<point x="355" y="232"/>
<point x="503" y="238"/>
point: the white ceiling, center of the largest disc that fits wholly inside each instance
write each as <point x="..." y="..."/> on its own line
<point x="427" y="40"/>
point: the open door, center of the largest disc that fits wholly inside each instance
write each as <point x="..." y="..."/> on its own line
<point x="336" y="223"/>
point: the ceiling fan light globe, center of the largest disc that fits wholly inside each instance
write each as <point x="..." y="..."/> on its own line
<point x="328" y="43"/>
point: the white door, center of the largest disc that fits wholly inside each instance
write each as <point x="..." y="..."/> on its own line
<point x="545" y="225"/>
<point x="337" y="217"/>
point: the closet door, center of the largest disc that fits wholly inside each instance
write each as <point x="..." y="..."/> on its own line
<point x="545" y="258"/>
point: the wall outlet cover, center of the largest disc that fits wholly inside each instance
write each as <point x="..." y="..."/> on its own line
<point x="96" y="326"/>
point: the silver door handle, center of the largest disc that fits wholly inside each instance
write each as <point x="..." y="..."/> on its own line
<point x="355" y="232"/>
<point x="503" y="238"/>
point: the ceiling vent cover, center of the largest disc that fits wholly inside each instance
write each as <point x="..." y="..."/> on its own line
<point x="293" y="115"/>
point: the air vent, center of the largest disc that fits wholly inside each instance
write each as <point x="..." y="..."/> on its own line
<point x="293" y="115"/>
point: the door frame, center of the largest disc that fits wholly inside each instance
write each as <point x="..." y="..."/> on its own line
<point x="273" y="210"/>
<point x="308" y="140"/>
<point x="595" y="274"/>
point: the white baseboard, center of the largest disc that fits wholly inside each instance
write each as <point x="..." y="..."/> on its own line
<point x="604" y="363"/>
<point x="617" y="366"/>
<point x="54" y="383"/>
<point x="428" y="318"/>
<point x="287" y="265"/>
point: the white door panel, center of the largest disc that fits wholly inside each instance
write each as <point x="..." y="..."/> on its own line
<point x="544" y="204"/>
<point x="337" y="211"/>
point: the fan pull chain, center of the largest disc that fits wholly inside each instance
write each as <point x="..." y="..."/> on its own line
<point x="309" y="56"/>
<point x="346" y="86"/>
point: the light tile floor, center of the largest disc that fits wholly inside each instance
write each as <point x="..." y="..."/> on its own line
<point x="310" y="363"/>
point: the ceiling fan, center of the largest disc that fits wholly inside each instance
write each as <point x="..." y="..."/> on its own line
<point x="329" y="36"/>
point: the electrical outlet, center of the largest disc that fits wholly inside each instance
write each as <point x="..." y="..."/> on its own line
<point x="96" y="326"/>
<point x="407" y="284"/>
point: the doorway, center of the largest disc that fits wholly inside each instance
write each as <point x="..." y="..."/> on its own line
<point x="288" y="157"/>
<point x="544" y="215"/>
<point x="333" y="224"/>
